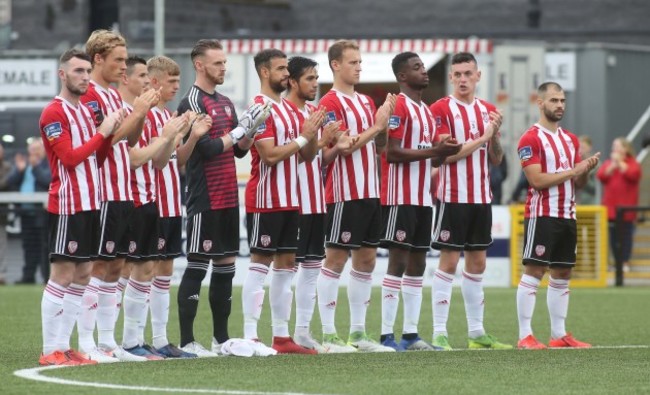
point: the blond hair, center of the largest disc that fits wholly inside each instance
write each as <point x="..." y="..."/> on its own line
<point x="627" y="146"/>
<point x="335" y="52"/>
<point x="584" y="139"/>
<point x="101" y="42"/>
<point x="163" y="64"/>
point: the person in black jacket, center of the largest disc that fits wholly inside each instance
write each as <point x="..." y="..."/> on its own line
<point x="30" y="174"/>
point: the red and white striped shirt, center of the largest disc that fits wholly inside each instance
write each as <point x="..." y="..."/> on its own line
<point x="115" y="174"/>
<point x="467" y="180"/>
<point x="168" y="180"/>
<point x="354" y="176"/>
<point x="75" y="185"/>
<point x="409" y="182"/>
<point x="310" y="177"/>
<point x="555" y="152"/>
<point x="275" y="188"/>
<point x="143" y="179"/>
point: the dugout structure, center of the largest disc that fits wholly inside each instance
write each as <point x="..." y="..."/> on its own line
<point x="591" y="257"/>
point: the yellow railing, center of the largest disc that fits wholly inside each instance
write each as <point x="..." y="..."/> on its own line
<point x="591" y="254"/>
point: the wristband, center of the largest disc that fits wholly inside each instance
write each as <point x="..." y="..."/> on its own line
<point x="301" y="141"/>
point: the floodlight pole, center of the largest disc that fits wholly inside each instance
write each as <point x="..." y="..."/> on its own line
<point x="159" y="27"/>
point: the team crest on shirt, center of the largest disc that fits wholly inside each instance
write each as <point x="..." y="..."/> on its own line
<point x="53" y="130"/>
<point x="132" y="247"/>
<point x="444" y="235"/>
<point x="393" y="122"/>
<point x="72" y="247"/>
<point x="346" y="236"/>
<point x="540" y="249"/>
<point x="161" y="244"/>
<point x="457" y="117"/>
<point x="525" y="153"/>
<point x="228" y="112"/>
<point x="486" y="117"/>
<point x="207" y="245"/>
<point x="438" y="121"/>
<point x="265" y="240"/>
<point x="367" y="105"/>
<point x="110" y="246"/>
<point x="400" y="235"/>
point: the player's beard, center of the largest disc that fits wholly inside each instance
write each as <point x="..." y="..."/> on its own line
<point x="74" y="90"/>
<point x="551" y="116"/>
<point x="277" y="86"/>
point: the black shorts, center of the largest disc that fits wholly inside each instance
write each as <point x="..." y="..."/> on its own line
<point x="407" y="227"/>
<point x="462" y="227"/>
<point x="353" y="224"/>
<point x="170" y="237"/>
<point x="114" y="223"/>
<point x="550" y="241"/>
<point x="311" y="238"/>
<point x="74" y="237"/>
<point x="273" y="231"/>
<point x="143" y="240"/>
<point x="213" y="234"/>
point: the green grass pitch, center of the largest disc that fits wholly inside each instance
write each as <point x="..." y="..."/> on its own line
<point x="611" y="318"/>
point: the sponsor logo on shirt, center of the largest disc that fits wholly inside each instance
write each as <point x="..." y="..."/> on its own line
<point x="525" y="153"/>
<point x="53" y="130"/>
<point x="394" y="122"/>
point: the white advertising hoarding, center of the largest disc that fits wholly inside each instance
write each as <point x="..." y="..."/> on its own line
<point x="23" y="78"/>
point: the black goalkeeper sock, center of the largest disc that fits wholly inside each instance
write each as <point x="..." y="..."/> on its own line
<point x="188" y="299"/>
<point x="221" y="299"/>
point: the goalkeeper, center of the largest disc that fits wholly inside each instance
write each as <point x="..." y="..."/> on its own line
<point x="211" y="196"/>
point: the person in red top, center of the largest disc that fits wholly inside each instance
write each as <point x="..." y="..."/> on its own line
<point x="107" y="51"/>
<point x="272" y="206"/>
<point x="406" y="200"/>
<point x="464" y="211"/>
<point x="621" y="176"/>
<point x="551" y="161"/>
<point x="352" y="197"/>
<point x="71" y="142"/>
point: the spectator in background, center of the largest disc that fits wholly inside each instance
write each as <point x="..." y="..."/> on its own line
<point x="5" y="169"/>
<point x="498" y="174"/>
<point x="517" y="196"/>
<point x="621" y="176"/>
<point x="587" y="194"/>
<point x="32" y="174"/>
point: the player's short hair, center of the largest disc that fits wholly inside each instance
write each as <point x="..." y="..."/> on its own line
<point x="73" y="53"/>
<point x="335" y="51"/>
<point x="102" y="42"/>
<point x="400" y="60"/>
<point x="298" y="65"/>
<point x="132" y="61"/>
<point x="263" y="58"/>
<point x="202" y="46"/>
<point x="542" y="89"/>
<point x="463" y="57"/>
<point x="163" y="64"/>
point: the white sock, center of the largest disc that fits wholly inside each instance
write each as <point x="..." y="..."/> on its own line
<point x="359" y="290"/>
<point x="253" y="298"/>
<point x="441" y="299"/>
<point x="281" y="299"/>
<point x="526" y="298"/>
<point x="71" y="306"/>
<point x="159" y="304"/>
<point x="88" y="316"/>
<point x="144" y="314"/>
<point x="327" y="287"/>
<point x="135" y="296"/>
<point x="557" y="299"/>
<point x="412" y="301"/>
<point x="51" y="313"/>
<point x="472" y="289"/>
<point x="390" y="288"/>
<point x="306" y="280"/>
<point x="106" y="301"/>
<point x="119" y="292"/>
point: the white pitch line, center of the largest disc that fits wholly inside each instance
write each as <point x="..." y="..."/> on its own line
<point x="35" y="374"/>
